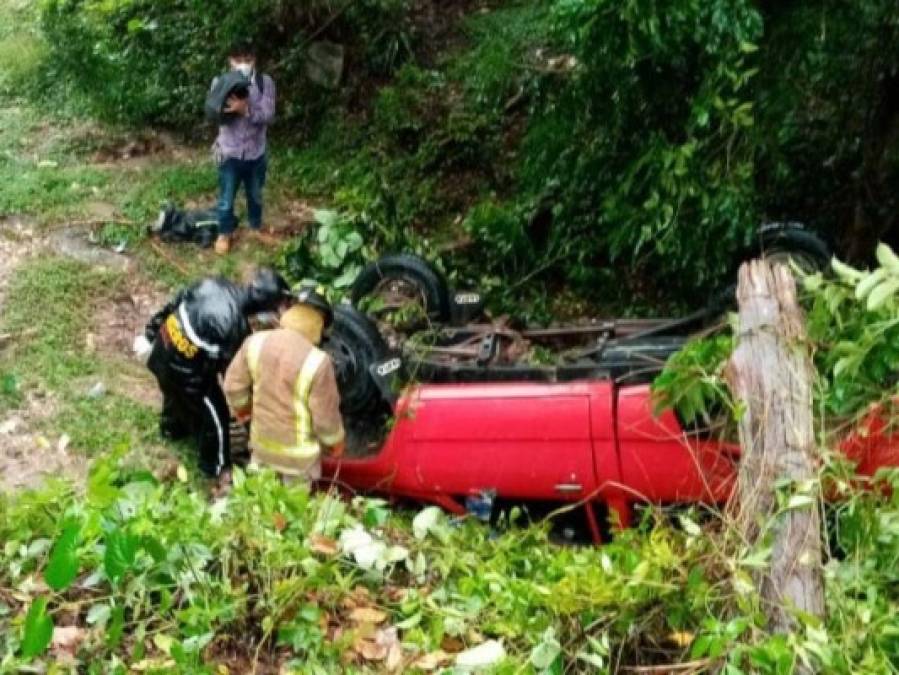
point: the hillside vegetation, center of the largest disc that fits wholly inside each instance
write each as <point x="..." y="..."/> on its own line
<point x="574" y="139"/>
<point x="563" y="155"/>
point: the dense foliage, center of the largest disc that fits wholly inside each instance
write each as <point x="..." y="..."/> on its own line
<point x="853" y="330"/>
<point x="142" y="573"/>
<point x="150" y="574"/>
<point x="151" y="62"/>
<point x="572" y="139"/>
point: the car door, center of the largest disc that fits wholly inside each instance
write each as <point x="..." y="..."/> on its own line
<point x="523" y="440"/>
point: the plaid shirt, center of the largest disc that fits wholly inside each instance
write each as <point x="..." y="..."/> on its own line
<point x="244" y="138"/>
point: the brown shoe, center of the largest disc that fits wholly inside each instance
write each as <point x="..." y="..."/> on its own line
<point x="223" y="244"/>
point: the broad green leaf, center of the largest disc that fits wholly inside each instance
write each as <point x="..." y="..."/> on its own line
<point x="425" y="521"/>
<point x="326" y="218"/>
<point x="116" y="627"/>
<point x="887" y="258"/>
<point x="846" y="272"/>
<point x="545" y="653"/>
<point x="121" y="551"/>
<point x="38" y="629"/>
<point x="163" y="643"/>
<point x="881" y="293"/>
<point x="62" y="568"/>
<point x="799" y="501"/>
<point x="867" y="284"/>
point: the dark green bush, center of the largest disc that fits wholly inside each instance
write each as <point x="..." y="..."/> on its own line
<point x="149" y="61"/>
<point x="649" y="136"/>
<point x="644" y="123"/>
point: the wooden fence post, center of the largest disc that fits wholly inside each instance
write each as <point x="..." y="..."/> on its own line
<point x="771" y="374"/>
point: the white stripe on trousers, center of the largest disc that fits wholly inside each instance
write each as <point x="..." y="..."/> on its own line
<point x="221" y="435"/>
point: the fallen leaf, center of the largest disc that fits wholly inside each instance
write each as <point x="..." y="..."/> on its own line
<point x="63" y="444"/>
<point x="394" y="657"/>
<point x="433" y="661"/>
<point x="681" y="638"/>
<point x="388" y="638"/>
<point x="484" y="655"/>
<point x="368" y="615"/>
<point x="370" y="651"/>
<point x="152" y="664"/>
<point x="452" y="645"/>
<point x="279" y="521"/>
<point x="66" y="640"/>
<point x="322" y="544"/>
<point x="181" y="472"/>
<point x="163" y="643"/>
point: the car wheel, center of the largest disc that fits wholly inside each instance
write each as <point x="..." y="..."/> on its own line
<point x="354" y="344"/>
<point x="790" y="243"/>
<point x="395" y="282"/>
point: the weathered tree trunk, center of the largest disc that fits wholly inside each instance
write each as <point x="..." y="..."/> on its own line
<point x="770" y="372"/>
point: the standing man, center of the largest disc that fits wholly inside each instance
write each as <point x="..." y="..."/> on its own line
<point x="240" y="148"/>
<point x="283" y="382"/>
<point x="194" y="337"/>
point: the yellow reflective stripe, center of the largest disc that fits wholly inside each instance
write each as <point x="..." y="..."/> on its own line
<point x="301" y="396"/>
<point x="254" y="354"/>
<point x="304" y="451"/>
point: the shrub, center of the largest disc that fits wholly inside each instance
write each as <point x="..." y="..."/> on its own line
<point x="141" y="61"/>
<point x="643" y="123"/>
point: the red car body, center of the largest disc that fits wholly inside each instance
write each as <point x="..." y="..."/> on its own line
<point x="584" y="441"/>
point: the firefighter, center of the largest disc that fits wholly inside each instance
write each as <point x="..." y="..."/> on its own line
<point x="190" y="343"/>
<point x="283" y="382"/>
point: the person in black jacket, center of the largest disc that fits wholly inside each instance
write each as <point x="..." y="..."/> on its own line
<point x="194" y="337"/>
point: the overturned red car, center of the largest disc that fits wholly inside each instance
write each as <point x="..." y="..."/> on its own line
<point x="482" y="410"/>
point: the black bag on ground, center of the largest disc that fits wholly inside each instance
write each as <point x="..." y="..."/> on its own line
<point x="193" y="226"/>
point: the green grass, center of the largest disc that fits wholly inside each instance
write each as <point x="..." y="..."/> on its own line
<point x="51" y="304"/>
<point x="501" y="43"/>
<point x="21" y="49"/>
<point x="46" y="173"/>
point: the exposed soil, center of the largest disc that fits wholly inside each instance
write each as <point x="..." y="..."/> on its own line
<point x="28" y="457"/>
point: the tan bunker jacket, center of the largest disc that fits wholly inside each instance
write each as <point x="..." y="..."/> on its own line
<point x="288" y="387"/>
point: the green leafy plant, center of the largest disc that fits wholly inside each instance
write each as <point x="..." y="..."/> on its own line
<point x="38" y="629"/>
<point x="332" y="253"/>
<point x="692" y="384"/>
<point x="63" y="564"/>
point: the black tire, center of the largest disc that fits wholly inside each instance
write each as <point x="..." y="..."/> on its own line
<point x="791" y="241"/>
<point x="788" y="241"/>
<point x="412" y="269"/>
<point x="354" y="344"/>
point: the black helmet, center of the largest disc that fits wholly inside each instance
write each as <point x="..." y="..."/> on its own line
<point x="266" y="291"/>
<point x="314" y="296"/>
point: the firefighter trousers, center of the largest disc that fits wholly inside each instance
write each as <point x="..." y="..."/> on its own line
<point x="203" y="416"/>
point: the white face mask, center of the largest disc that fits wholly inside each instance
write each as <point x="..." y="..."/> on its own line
<point x="244" y="68"/>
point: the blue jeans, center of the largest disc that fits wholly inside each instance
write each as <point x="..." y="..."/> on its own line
<point x="233" y="172"/>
